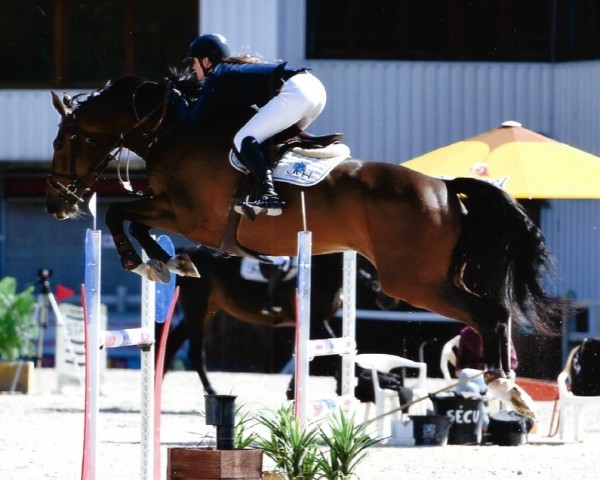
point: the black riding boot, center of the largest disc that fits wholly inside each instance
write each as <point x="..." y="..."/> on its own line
<point x="268" y="201"/>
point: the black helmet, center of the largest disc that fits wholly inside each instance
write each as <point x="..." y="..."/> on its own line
<point x="213" y="45"/>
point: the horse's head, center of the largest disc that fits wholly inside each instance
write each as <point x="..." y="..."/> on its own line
<point x="91" y="130"/>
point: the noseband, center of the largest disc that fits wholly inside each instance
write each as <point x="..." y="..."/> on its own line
<point x="69" y="192"/>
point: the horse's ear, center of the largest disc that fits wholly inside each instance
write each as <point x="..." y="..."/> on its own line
<point x="68" y="100"/>
<point x="60" y="106"/>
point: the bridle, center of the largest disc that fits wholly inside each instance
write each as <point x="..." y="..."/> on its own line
<point x="69" y="192"/>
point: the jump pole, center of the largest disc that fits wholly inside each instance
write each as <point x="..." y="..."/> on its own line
<point x="349" y="322"/>
<point x="143" y="337"/>
<point x="302" y="319"/>
<point x="307" y="349"/>
<point x="91" y="304"/>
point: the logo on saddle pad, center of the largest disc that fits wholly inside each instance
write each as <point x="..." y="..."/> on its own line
<point x="250" y="268"/>
<point x="303" y="166"/>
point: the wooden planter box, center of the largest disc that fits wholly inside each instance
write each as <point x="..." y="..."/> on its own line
<point x="211" y="464"/>
<point x="8" y="370"/>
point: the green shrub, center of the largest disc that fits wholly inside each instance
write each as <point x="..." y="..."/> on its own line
<point x="347" y="446"/>
<point x="18" y="328"/>
<point x="291" y="446"/>
<point x="296" y="449"/>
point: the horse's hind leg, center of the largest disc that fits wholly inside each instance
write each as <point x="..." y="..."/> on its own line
<point x="195" y="320"/>
<point x="492" y="322"/>
<point x="162" y="263"/>
<point x="499" y="378"/>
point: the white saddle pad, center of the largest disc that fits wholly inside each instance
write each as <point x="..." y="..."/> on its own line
<point x="298" y="168"/>
<point x="250" y="269"/>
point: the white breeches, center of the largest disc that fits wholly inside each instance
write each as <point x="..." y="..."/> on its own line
<point x="300" y="101"/>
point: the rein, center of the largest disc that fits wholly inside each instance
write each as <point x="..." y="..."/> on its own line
<point x="69" y="192"/>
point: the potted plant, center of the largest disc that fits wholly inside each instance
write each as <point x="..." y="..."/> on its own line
<point x="290" y="445"/>
<point x="347" y="446"/>
<point x="18" y="328"/>
<point x="314" y="451"/>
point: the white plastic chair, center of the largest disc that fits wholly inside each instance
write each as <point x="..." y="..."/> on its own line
<point x="567" y="400"/>
<point x="384" y="363"/>
<point x="448" y="356"/>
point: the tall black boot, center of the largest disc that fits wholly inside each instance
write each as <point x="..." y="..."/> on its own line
<point x="268" y="201"/>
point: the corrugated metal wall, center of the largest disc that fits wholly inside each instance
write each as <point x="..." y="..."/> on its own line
<point x="28" y="125"/>
<point x="393" y="111"/>
<point x="572" y="230"/>
<point x="576" y="104"/>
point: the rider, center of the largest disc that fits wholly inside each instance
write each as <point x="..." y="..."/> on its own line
<point x="286" y="98"/>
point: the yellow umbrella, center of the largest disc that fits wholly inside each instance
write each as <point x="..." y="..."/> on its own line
<point x="524" y="163"/>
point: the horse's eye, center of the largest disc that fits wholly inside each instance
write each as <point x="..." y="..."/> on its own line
<point x="57" y="145"/>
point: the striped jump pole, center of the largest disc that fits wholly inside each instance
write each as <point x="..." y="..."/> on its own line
<point x="91" y="306"/>
<point x="349" y="323"/>
<point x="153" y="308"/>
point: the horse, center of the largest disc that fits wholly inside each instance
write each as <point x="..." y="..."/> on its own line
<point x="222" y="288"/>
<point x="462" y="247"/>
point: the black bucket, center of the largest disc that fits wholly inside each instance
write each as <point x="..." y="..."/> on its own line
<point x="220" y="411"/>
<point x="467" y="415"/>
<point x="431" y="429"/>
<point x="509" y="429"/>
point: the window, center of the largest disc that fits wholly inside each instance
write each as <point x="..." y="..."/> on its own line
<point x="468" y="30"/>
<point x="64" y="43"/>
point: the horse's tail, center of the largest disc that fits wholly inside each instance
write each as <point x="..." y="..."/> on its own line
<point x="501" y="254"/>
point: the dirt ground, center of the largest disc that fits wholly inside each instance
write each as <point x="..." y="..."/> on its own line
<point x="41" y="433"/>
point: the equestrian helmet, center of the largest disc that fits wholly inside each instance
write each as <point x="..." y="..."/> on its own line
<point x="212" y="45"/>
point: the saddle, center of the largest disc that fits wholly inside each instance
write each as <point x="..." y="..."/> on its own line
<point x="273" y="149"/>
<point x="308" y="141"/>
<point x="276" y="147"/>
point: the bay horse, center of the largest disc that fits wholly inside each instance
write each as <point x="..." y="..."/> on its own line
<point x="222" y="288"/>
<point x="461" y="248"/>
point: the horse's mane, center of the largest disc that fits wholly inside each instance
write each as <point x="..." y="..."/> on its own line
<point x="184" y="79"/>
<point x="126" y="90"/>
<point x="120" y="89"/>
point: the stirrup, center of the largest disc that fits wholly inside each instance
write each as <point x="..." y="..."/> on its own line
<point x="272" y="206"/>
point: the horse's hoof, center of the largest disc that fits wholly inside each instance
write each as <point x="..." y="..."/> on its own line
<point x="157" y="271"/>
<point x="182" y="265"/>
<point x="511" y="393"/>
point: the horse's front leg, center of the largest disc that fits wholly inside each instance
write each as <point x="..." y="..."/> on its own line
<point x="130" y="260"/>
<point x="141" y="212"/>
<point x="496" y="352"/>
<point x="181" y="264"/>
